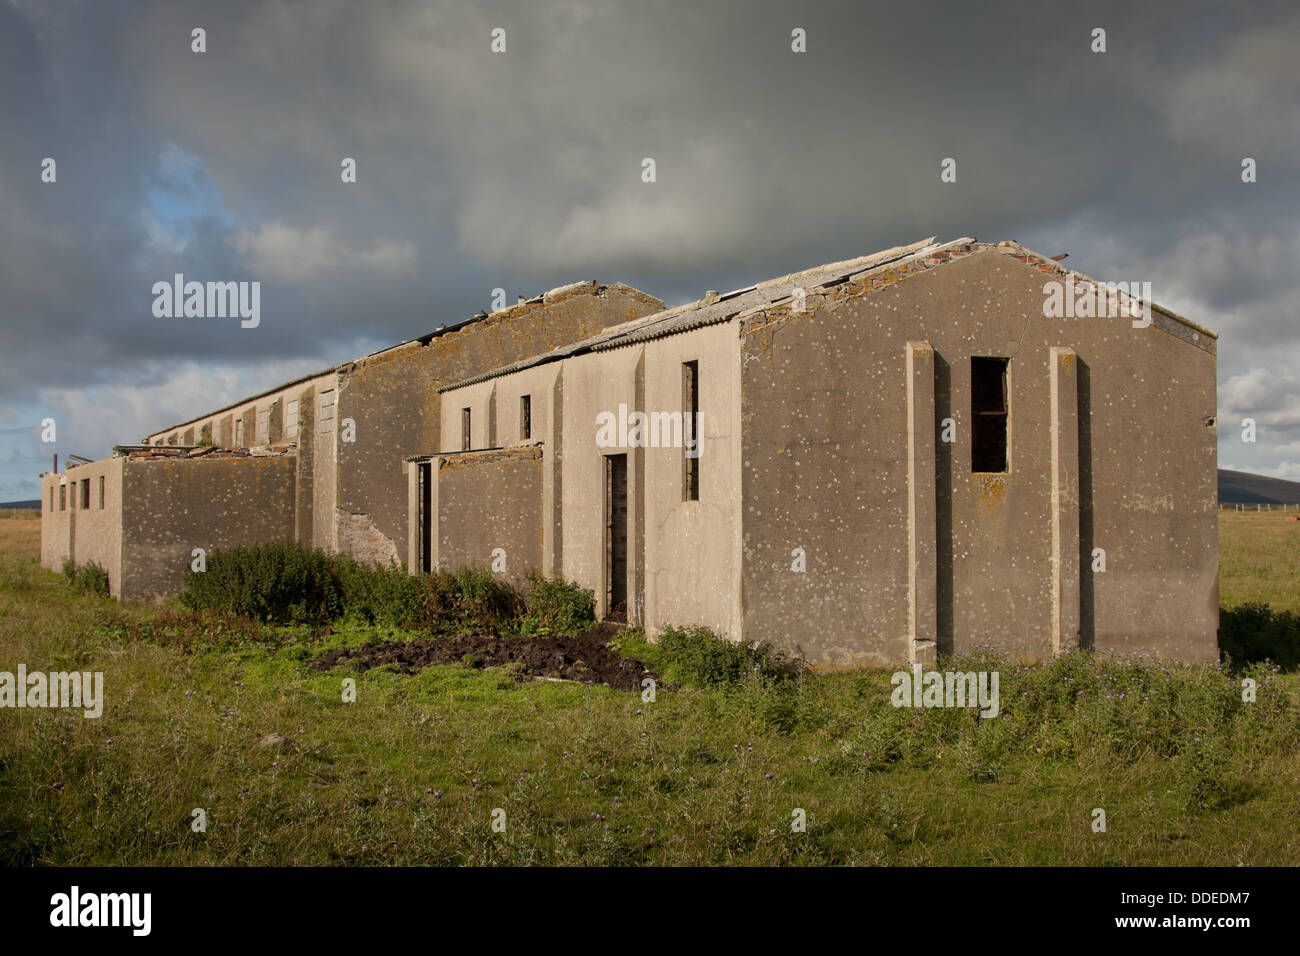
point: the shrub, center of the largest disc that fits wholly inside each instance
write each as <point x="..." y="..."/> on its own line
<point x="377" y="595"/>
<point x="87" y="579"/>
<point x="469" y="600"/>
<point x="281" y="582"/>
<point x="285" y="582"/>
<point x="1254" y="632"/>
<point x="482" y="600"/>
<point x="557" y="606"/>
<point x="695" y="655"/>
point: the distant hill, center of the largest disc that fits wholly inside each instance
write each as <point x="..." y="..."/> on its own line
<point x="32" y="505"/>
<point x="1243" y="488"/>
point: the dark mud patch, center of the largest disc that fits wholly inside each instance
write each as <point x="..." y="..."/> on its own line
<point x="585" y="657"/>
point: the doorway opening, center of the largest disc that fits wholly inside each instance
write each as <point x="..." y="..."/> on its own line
<point x="616" y="538"/>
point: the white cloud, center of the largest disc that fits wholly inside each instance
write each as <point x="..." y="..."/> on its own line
<point x="277" y="251"/>
<point x="91" y="421"/>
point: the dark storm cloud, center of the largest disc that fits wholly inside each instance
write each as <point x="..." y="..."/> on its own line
<point x="522" y="170"/>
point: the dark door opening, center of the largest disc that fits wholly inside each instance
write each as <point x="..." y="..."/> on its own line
<point x="425" y="519"/>
<point x="616" y="538"/>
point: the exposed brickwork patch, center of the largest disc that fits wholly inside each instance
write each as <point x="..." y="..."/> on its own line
<point x="359" y="537"/>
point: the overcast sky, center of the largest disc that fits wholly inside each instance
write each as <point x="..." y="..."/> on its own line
<point x="522" y="170"/>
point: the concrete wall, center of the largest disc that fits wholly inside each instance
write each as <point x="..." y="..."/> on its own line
<point x="692" y="548"/>
<point x="683" y="556"/>
<point x="393" y="399"/>
<point x="271" y="410"/>
<point x="171" y="507"/>
<point x="543" y="384"/>
<point x="56" y="524"/>
<point x="590" y="384"/>
<point x="353" y="496"/>
<point x="826" y="433"/>
<point x="84" y="535"/>
<point x="489" y="500"/>
<point x="323" y="439"/>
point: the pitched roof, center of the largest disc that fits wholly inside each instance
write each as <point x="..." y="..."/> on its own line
<point x="714" y="308"/>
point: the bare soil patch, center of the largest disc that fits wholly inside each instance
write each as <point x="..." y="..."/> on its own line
<point x="585" y="657"/>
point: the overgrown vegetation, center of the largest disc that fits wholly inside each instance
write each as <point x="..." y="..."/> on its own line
<point x="557" y="606"/>
<point x="286" y="583"/>
<point x="697" y="657"/>
<point x="1190" y="768"/>
<point x="281" y="582"/>
<point x="87" y="578"/>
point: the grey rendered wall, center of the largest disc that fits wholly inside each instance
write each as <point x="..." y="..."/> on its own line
<point x="826" y="443"/>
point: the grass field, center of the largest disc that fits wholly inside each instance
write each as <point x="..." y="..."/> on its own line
<point x="1259" y="559"/>
<point x="414" y="769"/>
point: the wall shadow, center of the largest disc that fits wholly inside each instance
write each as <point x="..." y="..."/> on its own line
<point x="943" y="508"/>
<point x="1087" y="599"/>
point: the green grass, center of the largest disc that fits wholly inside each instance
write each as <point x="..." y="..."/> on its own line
<point x="1259" y="560"/>
<point x="411" y="772"/>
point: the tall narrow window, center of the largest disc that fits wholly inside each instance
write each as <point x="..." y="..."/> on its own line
<point x="464" y="429"/>
<point x="525" y="417"/>
<point x="63" y="497"/>
<point x="325" y="417"/>
<point x="690" y="427"/>
<point x="101" y="492"/>
<point x="85" y="494"/>
<point x="988" y="409"/>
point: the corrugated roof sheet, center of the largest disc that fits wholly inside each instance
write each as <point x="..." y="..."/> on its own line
<point x="714" y="309"/>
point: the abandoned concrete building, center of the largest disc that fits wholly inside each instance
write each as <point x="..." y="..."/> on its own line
<point x="343" y="431"/>
<point x="868" y="462"/>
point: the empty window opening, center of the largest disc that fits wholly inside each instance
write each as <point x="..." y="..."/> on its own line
<point x="690" y="440"/>
<point x="325" y="419"/>
<point x="63" y="497"/>
<point x="464" y="429"/>
<point x="101" y="492"/>
<point x="85" y="494"/>
<point x="988" y="407"/>
<point x="525" y="417"/>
